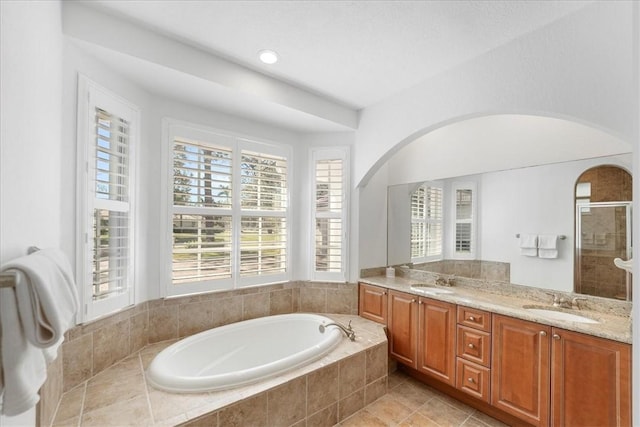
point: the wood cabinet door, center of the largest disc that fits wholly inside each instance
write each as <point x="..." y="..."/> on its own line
<point x="590" y="380"/>
<point x="520" y="371"/>
<point x="372" y="303"/>
<point x="403" y="327"/>
<point x="437" y="340"/>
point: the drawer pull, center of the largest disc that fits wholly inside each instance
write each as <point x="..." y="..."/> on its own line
<point x="543" y="334"/>
<point x="556" y="336"/>
<point x="471" y="380"/>
<point x="473" y="319"/>
<point x="470" y="345"/>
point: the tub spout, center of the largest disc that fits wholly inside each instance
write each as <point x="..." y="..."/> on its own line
<point x="348" y="330"/>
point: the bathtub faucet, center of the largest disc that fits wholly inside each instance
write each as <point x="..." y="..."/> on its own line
<point x="348" y="330"/>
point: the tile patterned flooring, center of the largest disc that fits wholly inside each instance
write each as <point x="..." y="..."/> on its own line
<point x="409" y="403"/>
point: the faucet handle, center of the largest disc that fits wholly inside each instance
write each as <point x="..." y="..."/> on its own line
<point x="554" y="296"/>
<point x="576" y="300"/>
<point x="349" y="326"/>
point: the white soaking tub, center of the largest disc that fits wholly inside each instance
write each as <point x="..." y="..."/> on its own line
<point x="242" y="353"/>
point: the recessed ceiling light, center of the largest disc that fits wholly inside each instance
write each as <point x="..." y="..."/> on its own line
<point x="268" y="56"/>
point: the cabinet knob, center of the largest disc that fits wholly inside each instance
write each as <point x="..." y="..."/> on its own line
<point x="413" y="300"/>
<point x="471" y="380"/>
<point x="419" y="301"/>
<point x="470" y="345"/>
<point x="556" y="336"/>
<point x="543" y="334"/>
<point x="384" y="293"/>
<point x="473" y="319"/>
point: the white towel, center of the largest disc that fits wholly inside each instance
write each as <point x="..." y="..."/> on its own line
<point x="24" y="369"/>
<point x="34" y="317"/>
<point x="548" y="246"/>
<point x="529" y="244"/>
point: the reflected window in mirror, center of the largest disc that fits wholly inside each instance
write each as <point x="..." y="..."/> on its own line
<point x="426" y="223"/>
<point x="603" y="200"/>
<point x="464" y="227"/>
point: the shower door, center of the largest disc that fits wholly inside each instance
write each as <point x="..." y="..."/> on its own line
<point x="603" y="233"/>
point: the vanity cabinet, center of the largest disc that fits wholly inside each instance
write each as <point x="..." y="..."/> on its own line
<point x="473" y="351"/>
<point x="422" y="334"/>
<point x="402" y="325"/>
<point x="590" y="380"/>
<point x="520" y="374"/>
<point x="550" y="376"/>
<point x="437" y="339"/>
<point x="372" y="303"/>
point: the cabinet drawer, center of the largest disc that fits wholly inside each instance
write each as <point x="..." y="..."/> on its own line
<point x="474" y="345"/>
<point x="473" y="379"/>
<point x="372" y="303"/>
<point x="474" y="318"/>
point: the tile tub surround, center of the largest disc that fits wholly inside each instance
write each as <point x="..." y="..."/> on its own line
<point x="322" y="393"/>
<point x="614" y="316"/>
<point x="91" y="348"/>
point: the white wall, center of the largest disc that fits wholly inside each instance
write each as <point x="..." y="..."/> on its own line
<point x="30" y="136"/>
<point x="577" y="67"/>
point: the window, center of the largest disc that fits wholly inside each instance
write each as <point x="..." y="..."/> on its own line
<point x="426" y="223"/>
<point x="228" y="210"/>
<point x="107" y="135"/>
<point x="329" y="214"/>
<point x="464" y="220"/>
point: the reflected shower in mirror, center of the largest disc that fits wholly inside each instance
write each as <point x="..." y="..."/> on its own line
<point x="603" y="232"/>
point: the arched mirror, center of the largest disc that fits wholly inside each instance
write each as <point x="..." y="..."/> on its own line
<point x="603" y="200"/>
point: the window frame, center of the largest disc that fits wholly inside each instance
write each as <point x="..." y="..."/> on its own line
<point x="172" y="128"/>
<point x="317" y="154"/>
<point x="455" y="187"/>
<point x="428" y="258"/>
<point x="90" y="96"/>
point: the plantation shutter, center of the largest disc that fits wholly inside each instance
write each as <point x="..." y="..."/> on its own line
<point x="464" y="218"/>
<point x="202" y="220"/>
<point x="110" y="181"/>
<point x="329" y="205"/>
<point x="426" y="223"/>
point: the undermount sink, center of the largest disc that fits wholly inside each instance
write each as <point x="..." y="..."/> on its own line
<point x="431" y="290"/>
<point x="551" y="313"/>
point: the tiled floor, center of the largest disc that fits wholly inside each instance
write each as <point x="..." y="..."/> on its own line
<point x="410" y="403"/>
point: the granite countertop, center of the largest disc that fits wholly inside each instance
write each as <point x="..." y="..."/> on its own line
<point x="609" y="326"/>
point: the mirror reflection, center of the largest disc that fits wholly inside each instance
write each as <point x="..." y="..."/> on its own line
<point x="603" y="232"/>
<point x="448" y="222"/>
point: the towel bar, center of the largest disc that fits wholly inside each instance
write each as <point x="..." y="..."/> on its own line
<point x="8" y="279"/>
<point x="561" y="236"/>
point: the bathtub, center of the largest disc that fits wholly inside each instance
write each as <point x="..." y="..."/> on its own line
<point x="242" y="353"/>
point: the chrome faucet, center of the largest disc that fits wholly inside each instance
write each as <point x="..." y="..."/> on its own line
<point x="348" y="330"/>
<point x="575" y="302"/>
<point x="445" y="280"/>
<point x="560" y="301"/>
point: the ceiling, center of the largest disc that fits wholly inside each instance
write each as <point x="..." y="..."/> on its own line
<point x="350" y="53"/>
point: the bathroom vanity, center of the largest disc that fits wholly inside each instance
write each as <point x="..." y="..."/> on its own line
<point x="494" y="353"/>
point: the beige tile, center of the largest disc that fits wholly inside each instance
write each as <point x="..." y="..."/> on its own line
<point x="443" y="413"/>
<point x="209" y="420"/>
<point x="396" y="378"/>
<point x="163" y="323"/>
<point x="340" y="301"/>
<point x="227" y="310"/>
<point x="389" y="410"/>
<point x="139" y="335"/>
<point x="77" y="361"/>
<point x="412" y="396"/>
<point x="313" y="300"/>
<point x="455" y="403"/>
<point x="323" y="388"/>
<point x="352" y="374"/>
<point x="126" y="368"/>
<point x="376" y="362"/>
<point x="326" y="417"/>
<point x="71" y="422"/>
<point x="486" y="419"/>
<point x="50" y="392"/>
<point x="286" y="404"/>
<point x="295" y="295"/>
<point x="281" y="302"/>
<point x="255" y="305"/>
<point x="351" y="404"/>
<point x="70" y="406"/>
<point x="134" y="412"/>
<point x="194" y="318"/>
<point x="418" y="420"/>
<point x="375" y="390"/>
<point x="165" y="406"/>
<point x="105" y="391"/>
<point x="363" y="419"/>
<point x="149" y="352"/>
<point x="110" y="344"/>
<point x="249" y="412"/>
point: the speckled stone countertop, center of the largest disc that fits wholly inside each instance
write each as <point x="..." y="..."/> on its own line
<point x="613" y="324"/>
